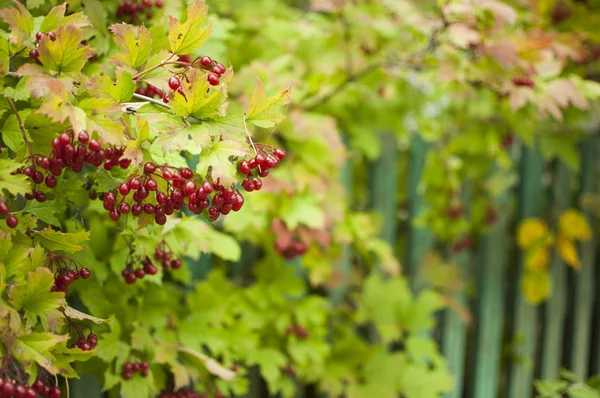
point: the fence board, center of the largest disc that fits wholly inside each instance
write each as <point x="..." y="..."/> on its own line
<point x="524" y="314"/>
<point x="419" y="240"/>
<point x="491" y="268"/>
<point x="555" y="308"/>
<point x="583" y="286"/>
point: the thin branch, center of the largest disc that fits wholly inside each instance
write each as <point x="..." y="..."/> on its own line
<point x="153" y="100"/>
<point x="159" y="65"/>
<point x="22" y="128"/>
<point x="249" y="136"/>
<point x="127" y="132"/>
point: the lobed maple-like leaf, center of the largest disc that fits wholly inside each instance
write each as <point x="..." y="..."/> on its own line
<point x="216" y="158"/>
<point x="14" y="184"/>
<point x="19" y="21"/>
<point x="65" y="54"/>
<point x="267" y="112"/>
<point x="56" y="17"/>
<point x="197" y="100"/>
<point x="136" y="43"/>
<point x="66" y="242"/>
<point x="187" y="37"/>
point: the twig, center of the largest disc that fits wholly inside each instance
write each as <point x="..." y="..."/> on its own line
<point x="149" y="99"/>
<point x="22" y="128"/>
<point x="249" y="136"/>
<point x="127" y="132"/>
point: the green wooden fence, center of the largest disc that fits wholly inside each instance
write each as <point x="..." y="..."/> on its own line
<point x="564" y="332"/>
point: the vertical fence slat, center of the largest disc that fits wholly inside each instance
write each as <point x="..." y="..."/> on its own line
<point x="583" y="286"/>
<point x="555" y="307"/>
<point x="454" y="338"/>
<point x="384" y="186"/>
<point x="419" y="240"/>
<point x="524" y="314"/>
<point x="492" y="256"/>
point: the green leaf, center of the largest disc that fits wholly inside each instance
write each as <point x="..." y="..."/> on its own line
<point x="217" y="158"/>
<point x="188" y="37"/>
<point x="269" y="360"/>
<point x="137" y="387"/>
<point x="19" y="21"/>
<point x="207" y="240"/>
<point x="136" y="43"/>
<point x="549" y="388"/>
<point x="19" y="92"/>
<point x="122" y="91"/>
<point x="75" y="314"/>
<point x="34" y="297"/>
<point x="65" y="54"/>
<point x="198" y="100"/>
<point x="35" y="348"/>
<point x="582" y="391"/>
<point x="302" y="209"/>
<point x="266" y="112"/>
<point x="66" y="242"/>
<point x="46" y="211"/>
<point x="14" y="184"/>
<point x="56" y="17"/>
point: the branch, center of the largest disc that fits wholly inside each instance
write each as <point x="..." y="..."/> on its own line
<point x="153" y="100"/>
<point x="22" y="128"/>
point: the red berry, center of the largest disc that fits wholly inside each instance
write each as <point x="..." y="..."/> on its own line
<point x="176" y="264"/>
<point x="94" y="145"/>
<point x="84" y="273"/>
<point x="159" y="4"/>
<point x="3" y="208"/>
<point x="139" y="273"/>
<point x="186" y="173"/>
<point x="150" y="269"/>
<point x="160" y="219"/>
<point x="165" y="98"/>
<point x="149" y="168"/>
<point x="12" y="221"/>
<point x="144" y="365"/>
<point x="244" y="167"/>
<point x="51" y="181"/>
<point x="127" y="367"/>
<point x="83" y="137"/>
<point x="52" y="36"/>
<point x="280" y="153"/>
<point x="39" y="36"/>
<point x="148" y="208"/>
<point x="213" y="79"/>
<point x="257" y="184"/>
<point x="115" y="214"/>
<point x="30" y="393"/>
<point x="135" y="183"/>
<point x="206" y="61"/>
<point x="124" y="189"/>
<point x="144" y="372"/>
<point x="189" y="188"/>
<point x="8" y="389"/>
<point x="218" y="69"/>
<point x="128" y="375"/>
<point x="38" y="386"/>
<point x="65" y="138"/>
<point x="34" y="53"/>
<point x="174" y="83"/>
<point x="85" y="346"/>
<point x="130" y="278"/>
<point x="151" y="185"/>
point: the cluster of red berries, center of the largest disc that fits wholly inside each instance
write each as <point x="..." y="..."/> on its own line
<point x="523" y="82"/>
<point x="66" y="271"/>
<point x="34" y="53"/>
<point x="131" y="10"/>
<point x="129" y="368"/>
<point x="296" y="248"/>
<point x="259" y="166"/>
<point x="13" y="389"/>
<point x="86" y="344"/>
<point x="298" y="331"/>
<point x="456" y="211"/>
<point x="12" y="221"/>
<point x="216" y="70"/>
<point x="131" y="275"/>
<point x="465" y="242"/>
<point x="165" y="256"/>
<point x="150" y="91"/>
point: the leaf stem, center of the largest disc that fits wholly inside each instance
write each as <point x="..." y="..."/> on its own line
<point x="22" y="128"/>
<point x="153" y="100"/>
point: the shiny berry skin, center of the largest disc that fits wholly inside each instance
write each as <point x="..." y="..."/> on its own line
<point x="128" y="367"/>
<point x="149" y="168"/>
<point x="115" y="215"/>
<point x="165" y="98"/>
<point x="34" y="53"/>
<point x="94" y="145"/>
<point x="148" y="208"/>
<point x="65" y="138"/>
<point x="54" y="392"/>
<point x="160" y="219"/>
<point x="174" y="83"/>
<point x="139" y="273"/>
<point x="84" y="273"/>
<point x="218" y="69"/>
<point x="12" y="221"/>
<point x="39" y="36"/>
<point x="189" y="188"/>
<point x="213" y="79"/>
<point x="3" y="208"/>
<point x="151" y="185"/>
<point x="124" y="189"/>
<point x="150" y="269"/>
<point x="144" y="365"/>
<point x="137" y="209"/>
<point x="257" y="184"/>
<point x="176" y="264"/>
<point x="135" y="183"/>
<point x="8" y="389"/>
<point x="186" y="173"/>
<point x="244" y="167"/>
<point x="30" y="393"/>
<point x="128" y="375"/>
<point x="124" y="208"/>
<point x="130" y="278"/>
<point x="51" y="181"/>
<point x="52" y="36"/>
<point x="206" y="61"/>
<point x="280" y="153"/>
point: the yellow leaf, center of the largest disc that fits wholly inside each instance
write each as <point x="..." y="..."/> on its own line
<point x="568" y="252"/>
<point x="187" y="37"/>
<point x="536" y="286"/>
<point x="531" y="230"/>
<point x="537" y="258"/>
<point x="574" y="225"/>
